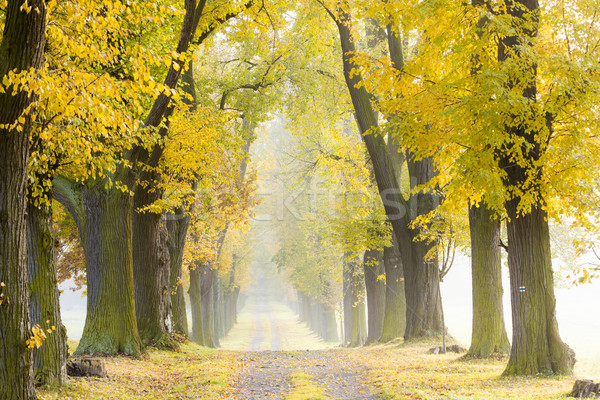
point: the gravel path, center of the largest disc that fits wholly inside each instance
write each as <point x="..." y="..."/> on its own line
<point x="266" y="375"/>
<point x="271" y="326"/>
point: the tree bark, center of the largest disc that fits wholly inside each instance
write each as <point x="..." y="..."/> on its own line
<point x="150" y="264"/>
<point x="49" y="360"/>
<point x="536" y="344"/>
<point x="394" y="320"/>
<point x="195" y="292"/>
<point x="177" y="225"/>
<point x="489" y="333"/>
<point x="375" y="287"/>
<point x="103" y="217"/>
<point x="21" y="49"/>
<point x="423" y="299"/>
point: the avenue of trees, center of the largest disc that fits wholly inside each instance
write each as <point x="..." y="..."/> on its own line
<point x="421" y="127"/>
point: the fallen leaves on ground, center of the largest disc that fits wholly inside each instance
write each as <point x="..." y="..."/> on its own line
<point x="408" y="371"/>
<point x="193" y="373"/>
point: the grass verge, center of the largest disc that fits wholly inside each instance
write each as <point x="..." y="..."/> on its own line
<point x="409" y="372"/>
<point x="193" y="373"/>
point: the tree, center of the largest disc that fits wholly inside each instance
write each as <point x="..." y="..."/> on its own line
<point x="21" y="51"/>
<point x="536" y="346"/>
<point x="422" y="281"/>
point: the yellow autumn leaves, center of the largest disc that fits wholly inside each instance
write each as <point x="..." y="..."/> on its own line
<point x="3" y="298"/>
<point x="38" y="335"/>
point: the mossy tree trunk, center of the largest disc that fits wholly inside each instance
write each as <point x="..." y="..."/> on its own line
<point x="21" y="49"/>
<point x="536" y="344"/>
<point x="394" y="320"/>
<point x="177" y="226"/>
<point x="489" y="333"/>
<point x="49" y="360"/>
<point x="150" y="264"/>
<point x="423" y="299"/>
<point x="374" y="270"/>
<point x="195" y="292"/>
<point x="103" y="216"/>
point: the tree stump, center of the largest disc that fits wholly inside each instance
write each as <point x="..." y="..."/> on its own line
<point x="585" y="388"/>
<point x="455" y="348"/>
<point x="87" y="367"/>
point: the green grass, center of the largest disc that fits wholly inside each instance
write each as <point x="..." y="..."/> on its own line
<point x="303" y="388"/>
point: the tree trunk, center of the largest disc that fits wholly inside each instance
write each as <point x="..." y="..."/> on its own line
<point x="314" y="315"/>
<point x="331" y="331"/>
<point x="320" y="320"/>
<point x="306" y="309"/>
<point x="347" y="300"/>
<point x="536" y="345"/>
<point x="228" y="312"/>
<point x="299" y="295"/>
<point x="423" y="305"/>
<point x="394" y="320"/>
<point x="489" y="334"/>
<point x="234" y="304"/>
<point x="375" y="287"/>
<point x="21" y="49"/>
<point x="207" y="303"/>
<point x="177" y="225"/>
<point x="423" y="300"/>
<point x="218" y="309"/>
<point x="110" y="325"/>
<point x="49" y="360"/>
<point x="195" y="293"/>
<point x="358" y="334"/>
<point x="354" y="304"/>
<point x="150" y="262"/>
